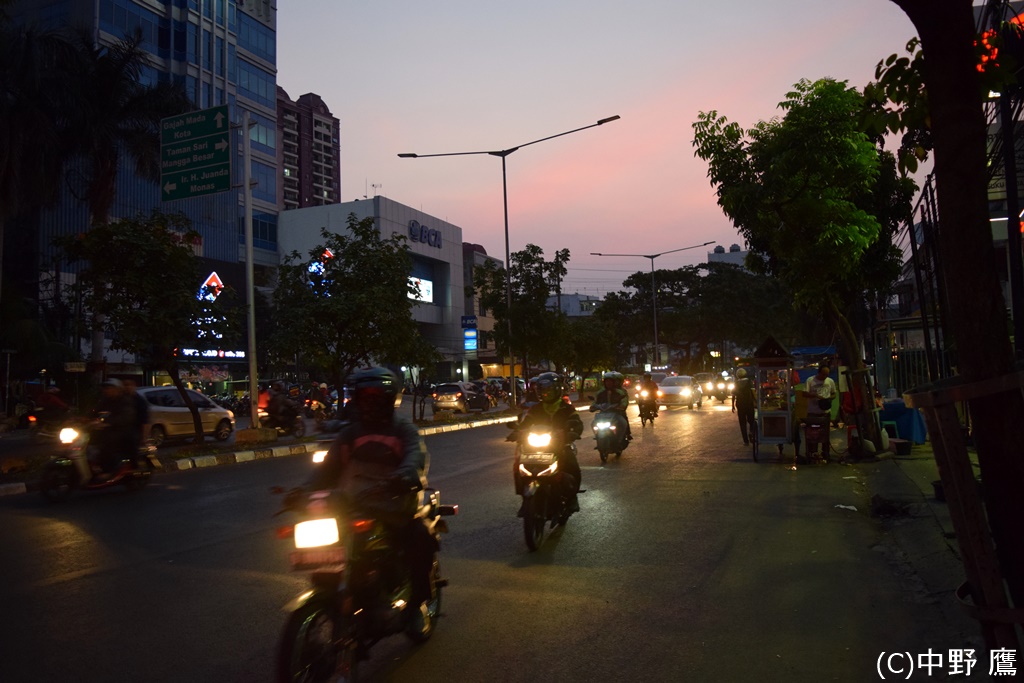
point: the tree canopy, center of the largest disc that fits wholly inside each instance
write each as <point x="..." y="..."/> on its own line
<point x="347" y="303"/>
<point x="806" y="192"/>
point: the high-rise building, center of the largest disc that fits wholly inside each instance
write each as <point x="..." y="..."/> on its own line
<point x="223" y="52"/>
<point x="309" y="152"/>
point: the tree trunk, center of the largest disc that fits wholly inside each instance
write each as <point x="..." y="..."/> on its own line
<point x="197" y="422"/>
<point x="867" y="428"/>
<point x="977" y="312"/>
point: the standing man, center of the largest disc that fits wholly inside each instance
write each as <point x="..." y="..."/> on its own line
<point x="819" y="392"/>
<point x="743" y="405"/>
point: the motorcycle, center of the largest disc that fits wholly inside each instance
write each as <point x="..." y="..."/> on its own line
<point x="609" y="431"/>
<point x="318" y="410"/>
<point x="648" y="405"/>
<point x="74" y="467"/>
<point x="295" y="427"/>
<point x="360" y="585"/>
<point x="546" y="489"/>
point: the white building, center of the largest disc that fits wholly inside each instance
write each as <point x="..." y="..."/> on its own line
<point x="437" y="253"/>
<point x="734" y="256"/>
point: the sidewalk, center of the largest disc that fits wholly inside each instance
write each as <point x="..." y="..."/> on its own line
<point x="921" y="531"/>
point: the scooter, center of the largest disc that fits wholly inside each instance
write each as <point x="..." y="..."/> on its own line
<point x="74" y="468"/>
<point x="545" y="488"/>
<point x="296" y="428"/>
<point x="609" y="431"/>
<point x="648" y="406"/>
<point x="360" y="585"/>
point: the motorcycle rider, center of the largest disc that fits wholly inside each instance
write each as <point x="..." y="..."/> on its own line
<point x="116" y="438"/>
<point x="380" y="444"/>
<point x="281" y="410"/>
<point x="554" y="411"/>
<point x="650" y="386"/>
<point x="616" y="397"/>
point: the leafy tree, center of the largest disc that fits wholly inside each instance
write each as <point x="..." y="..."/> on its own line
<point x="594" y="346"/>
<point x="143" y="277"/>
<point x="346" y="304"/>
<point x="537" y="332"/>
<point x="954" y="88"/>
<point x="801" y="190"/>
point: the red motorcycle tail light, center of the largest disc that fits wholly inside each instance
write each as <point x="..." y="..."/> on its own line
<point x="362" y="525"/>
<point x="284" y="532"/>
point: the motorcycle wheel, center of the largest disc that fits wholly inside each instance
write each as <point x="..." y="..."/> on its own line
<point x="300" y="428"/>
<point x="318" y="644"/>
<point x="433" y="606"/>
<point x="57" y="483"/>
<point x="604" y="456"/>
<point x="533" y="522"/>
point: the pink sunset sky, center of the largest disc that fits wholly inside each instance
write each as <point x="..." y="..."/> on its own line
<point x="472" y="75"/>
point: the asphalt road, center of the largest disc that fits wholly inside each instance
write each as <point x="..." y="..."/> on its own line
<point x="688" y="561"/>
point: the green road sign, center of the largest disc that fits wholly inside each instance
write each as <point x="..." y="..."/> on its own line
<point x="195" y="154"/>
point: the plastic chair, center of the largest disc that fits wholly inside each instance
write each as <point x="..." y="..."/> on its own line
<point x="894" y="433"/>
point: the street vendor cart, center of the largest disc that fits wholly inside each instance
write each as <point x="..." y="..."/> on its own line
<point x="772" y="369"/>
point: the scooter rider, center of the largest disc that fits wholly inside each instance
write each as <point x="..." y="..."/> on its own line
<point x="554" y="411"/>
<point x="281" y="410"/>
<point x="380" y="444"/>
<point x="117" y="436"/>
<point x="616" y="397"/>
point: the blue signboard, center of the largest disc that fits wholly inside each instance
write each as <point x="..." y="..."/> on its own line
<point x="469" y="340"/>
<point x="469" y="321"/>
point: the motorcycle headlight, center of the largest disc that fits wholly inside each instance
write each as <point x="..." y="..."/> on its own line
<point x="660" y="393"/>
<point x="315" y="533"/>
<point x="68" y="435"/>
<point x="644" y="393"/>
<point x="539" y="440"/>
<point x="603" y="425"/>
<point x="319" y="456"/>
<point x="731" y="386"/>
<point x="721" y="385"/>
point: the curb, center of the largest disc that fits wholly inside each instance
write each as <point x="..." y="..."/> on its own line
<point x="170" y="464"/>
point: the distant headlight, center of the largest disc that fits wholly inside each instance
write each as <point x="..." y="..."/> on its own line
<point x="68" y="435"/>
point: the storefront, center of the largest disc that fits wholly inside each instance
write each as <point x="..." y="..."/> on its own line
<point x="436" y="249"/>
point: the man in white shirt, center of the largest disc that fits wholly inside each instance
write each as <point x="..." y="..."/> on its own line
<point x="820" y="391"/>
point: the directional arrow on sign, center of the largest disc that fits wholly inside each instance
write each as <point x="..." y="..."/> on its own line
<point x="195" y="154"/>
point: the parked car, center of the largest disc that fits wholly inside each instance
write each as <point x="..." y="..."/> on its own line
<point x="460" y="397"/>
<point x="170" y="418"/>
<point x="681" y="390"/>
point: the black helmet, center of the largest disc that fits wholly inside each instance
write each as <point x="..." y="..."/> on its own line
<point x="549" y="387"/>
<point x="376" y="392"/>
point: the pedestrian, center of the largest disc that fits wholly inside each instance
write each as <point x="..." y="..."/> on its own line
<point x="819" y="391"/>
<point x="743" y="405"/>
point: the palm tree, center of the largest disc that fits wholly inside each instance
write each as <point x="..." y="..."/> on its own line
<point x="116" y="116"/>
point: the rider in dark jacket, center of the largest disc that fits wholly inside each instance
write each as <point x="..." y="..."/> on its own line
<point x="556" y="412"/>
<point x="616" y="397"/>
<point x="380" y="445"/>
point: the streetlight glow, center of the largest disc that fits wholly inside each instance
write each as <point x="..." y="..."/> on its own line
<point x="508" y="254"/>
<point x="655" y="355"/>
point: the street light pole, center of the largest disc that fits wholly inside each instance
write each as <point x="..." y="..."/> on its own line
<point x="655" y="355"/>
<point x="508" y="253"/>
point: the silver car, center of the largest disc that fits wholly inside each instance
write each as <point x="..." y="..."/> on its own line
<point x="170" y="418"/>
<point x="681" y="390"/>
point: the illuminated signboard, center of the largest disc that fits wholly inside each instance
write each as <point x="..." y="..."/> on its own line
<point x="211" y="288"/>
<point x="469" y="339"/>
<point x="210" y="353"/>
<point x="424" y="290"/>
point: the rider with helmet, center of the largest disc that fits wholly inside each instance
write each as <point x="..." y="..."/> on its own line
<point x="378" y="444"/>
<point x="616" y="397"/>
<point x="553" y="410"/>
<point x="281" y="410"/>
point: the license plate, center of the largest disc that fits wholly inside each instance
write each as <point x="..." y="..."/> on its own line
<point x="317" y="557"/>
<point x="538" y="458"/>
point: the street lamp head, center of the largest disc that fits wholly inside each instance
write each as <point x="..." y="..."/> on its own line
<point x="408" y="155"/>
<point x="608" y="120"/>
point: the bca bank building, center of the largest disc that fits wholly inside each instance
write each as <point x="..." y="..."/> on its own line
<point x="436" y="250"/>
